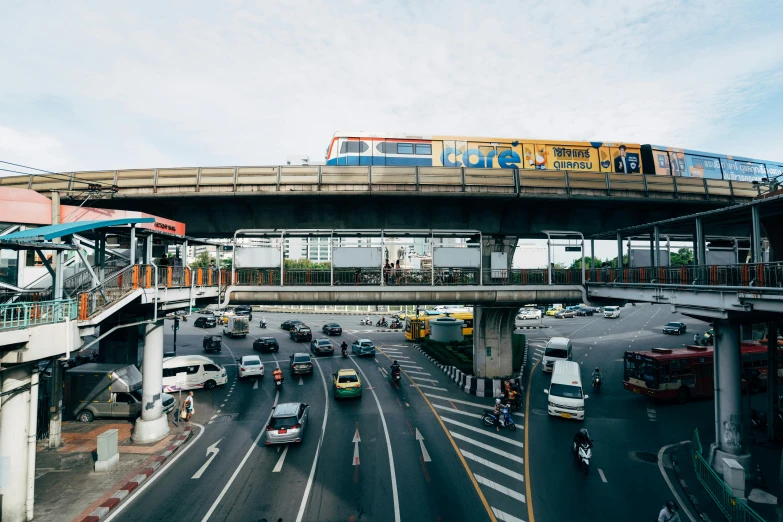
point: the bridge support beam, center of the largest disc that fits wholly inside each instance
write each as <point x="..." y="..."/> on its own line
<point x="493" y="329"/>
<point x="17" y="442"/>
<point x="153" y="425"/>
<point x="490" y="244"/>
<point x="728" y="397"/>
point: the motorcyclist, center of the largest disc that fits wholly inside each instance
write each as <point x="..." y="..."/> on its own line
<point x="277" y="373"/>
<point x="344" y="347"/>
<point x="367" y="319"/>
<point x="382" y="321"/>
<point x="498" y="412"/>
<point x="597" y="375"/>
<point x="582" y="437"/>
<point x="395" y="367"/>
<point x="669" y="513"/>
<point x="513" y="398"/>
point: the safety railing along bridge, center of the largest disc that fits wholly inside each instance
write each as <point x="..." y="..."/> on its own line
<point x="20" y="315"/>
<point x="745" y="275"/>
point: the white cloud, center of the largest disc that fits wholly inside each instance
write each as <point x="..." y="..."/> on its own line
<point x="198" y="83"/>
<point x="30" y="148"/>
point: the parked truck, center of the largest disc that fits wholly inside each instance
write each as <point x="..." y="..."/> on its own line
<point x="106" y="390"/>
<point x="238" y="326"/>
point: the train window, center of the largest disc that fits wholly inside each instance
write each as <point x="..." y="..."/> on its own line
<point x="387" y="148"/>
<point x="405" y="148"/>
<point x="423" y="148"/>
<point x="353" y="147"/>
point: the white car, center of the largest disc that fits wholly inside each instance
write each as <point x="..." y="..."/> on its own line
<point x="529" y="313"/>
<point x="250" y="365"/>
<point x="612" y="312"/>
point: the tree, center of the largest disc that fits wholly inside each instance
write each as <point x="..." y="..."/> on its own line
<point x="683" y="256"/>
<point x="305" y="264"/>
<point x="588" y="262"/>
<point x="226" y="263"/>
<point x="202" y="260"/>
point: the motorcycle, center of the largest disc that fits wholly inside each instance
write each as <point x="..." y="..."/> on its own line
<point x="345" y="352"/>
<point x="279" y="380"/>
<point x="382" y="323"/>
<point x="395" y="324"/>
<point x="262" y="324"/>
<point x="582" y="455"/>
<point x="395" y="375"/>
<point x="490" y="419"/>
<point x="185" y="318"/>
<point x="597" y="384"/>
<point x="365" y="322"/>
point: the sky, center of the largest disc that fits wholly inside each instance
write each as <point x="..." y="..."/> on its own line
<point x="98" y="85"/>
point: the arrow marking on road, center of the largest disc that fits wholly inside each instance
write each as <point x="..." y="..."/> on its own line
<point x="300" y="381"/>
<point x="356" y="440"/>
<point x="212" y="451"/>
<point x="424" y="452"/>
<point x="279" y="464"/>
<point x="255" y="386"/>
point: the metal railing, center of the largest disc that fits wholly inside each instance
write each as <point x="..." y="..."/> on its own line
<point x="735" y="510"/>
<point x="113" y="289"/>
<point x="761" y="275"/>
<point x="24" y="315"/>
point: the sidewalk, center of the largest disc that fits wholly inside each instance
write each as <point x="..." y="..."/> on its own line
<point x="67" y="487"/>
<point x="761" y="491"/>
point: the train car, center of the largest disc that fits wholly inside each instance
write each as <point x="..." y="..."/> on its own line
<point x="363" y="148"/>
<point x="670" y="161"/>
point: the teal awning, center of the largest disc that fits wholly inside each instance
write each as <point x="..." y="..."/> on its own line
<point x="50" y="232"/>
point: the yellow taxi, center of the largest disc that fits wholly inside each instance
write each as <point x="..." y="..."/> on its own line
<point x="346" y="384"/>
<point x="553" y="311"/>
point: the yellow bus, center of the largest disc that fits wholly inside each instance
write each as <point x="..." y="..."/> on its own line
<point x="423" y="323"/>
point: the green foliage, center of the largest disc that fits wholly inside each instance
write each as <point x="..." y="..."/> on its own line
<point x="306" y="263"/>
<point x="683" y="256"/>
<point x="202" y="260"/>
<point x="226" y="263"/>
<point x="457" y="354"/>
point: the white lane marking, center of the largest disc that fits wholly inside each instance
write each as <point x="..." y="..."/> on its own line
<point x="417" y="378"/>
<point x="677" y="497"/>
<point x="280" y="461"/>
<point x="418" y="373"/>
<point x="239" y="468"/>
<point x="429" y="387"/>
<point x="212" y="452"/>
<point x="476" y="404"/>
<point x="406" y="365"/>
<point x="395" y="498"/>
<point x="497" y="487"/>
<point x="491" y="449"/>
<point x="601" y="472"/>
<point x="301" y="382"/>
<point x="652" y="415"/>
<point x="424" y="453"/>
<point x="460" y="412"/>
<point x="255" y="386"/>
<point x="492" y="465"/>
<point x="483" y="432"/>
<point x="309" y="486"/>
<point x="393" y="356"/>
<point x="356" y="440"/>
<point x="505" y="517"/>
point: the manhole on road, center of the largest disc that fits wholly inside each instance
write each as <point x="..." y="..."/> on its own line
<point x="645" y="456"/>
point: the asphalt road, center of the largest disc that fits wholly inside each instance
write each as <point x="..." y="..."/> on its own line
<point x="461" y="470"/>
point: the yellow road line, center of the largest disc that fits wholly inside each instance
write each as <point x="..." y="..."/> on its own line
<point x="530" y="516"/>
<point x="456" y="449"/>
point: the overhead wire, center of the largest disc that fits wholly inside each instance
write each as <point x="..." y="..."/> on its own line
<point x="67" y="176"/>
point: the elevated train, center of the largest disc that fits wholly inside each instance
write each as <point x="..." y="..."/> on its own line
<point x="363" y="148"/>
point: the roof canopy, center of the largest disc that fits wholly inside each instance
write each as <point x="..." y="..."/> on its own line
<point x="67" y="229"/>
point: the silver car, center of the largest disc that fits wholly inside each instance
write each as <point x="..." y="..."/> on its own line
<point x="288" y="423"/>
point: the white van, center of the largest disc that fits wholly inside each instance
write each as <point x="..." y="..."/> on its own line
<point x="201" y="372"/>
<point x="611" y="312"/>
<point x="566" y="398"/>
<point x="557" y="349"/>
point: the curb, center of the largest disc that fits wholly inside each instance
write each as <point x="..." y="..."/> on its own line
<point x="530" y="327"/>
<point x="685" y="488"/>
<point x="115" y="500"/>
<point x="478" y="386"/>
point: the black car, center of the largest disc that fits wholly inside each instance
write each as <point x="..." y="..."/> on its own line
<point x="213" y="343"/>
<point x="584" y="311"/>
<point x="301" y="332"/>
<point x="266" y="344"/>
<point x="300" y="363"/>
<point x="674" y="328"/>
<point x="290" y="324"/>
<point x="321" y="347"/>
<point x="332" y="329"/>
<point x="205" y="322"/>
<point x="245" y="310"/>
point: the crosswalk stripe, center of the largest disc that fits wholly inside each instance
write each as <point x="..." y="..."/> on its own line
<point x="420" y="373"/>
<point x="491" y="449"/>
<point x="505" y="517"/>
<point x="430" y="387"/>
<point x="497" y="487"/>
<point x="417" y="378"/>
<point x="492" y="465"/>
<point x="483" y="432"/>
<point x="475" y="404"/>
<point x="405" y="365"/>
<point x="460" y="412"/>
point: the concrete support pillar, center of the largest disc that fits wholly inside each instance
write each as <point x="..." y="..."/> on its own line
<point x="699" y="247"/>
<point x="148" y="250"/>
<point x="756" y="246"/>
<point x="133" y="245"/>
<point x="656" y="258"/>
<point x="620" y="251"/>
<point x="728" y="397"/>
<point x="14" y="442"/>
<point x="489" y="244"/>
<point x="102" y="255"/>
<point x="56" y="406"/>
<point x="772" y="377"/>
<point x="153" y="425"/>
<point x="59" y="279"/>
<point x="492" y="341"/>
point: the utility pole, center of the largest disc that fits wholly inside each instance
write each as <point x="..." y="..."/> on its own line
<point x="175" y="327"/>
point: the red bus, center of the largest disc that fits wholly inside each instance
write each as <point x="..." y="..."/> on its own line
<point x="687" y="373"/>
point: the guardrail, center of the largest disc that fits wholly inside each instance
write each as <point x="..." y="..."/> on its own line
<point x="325" y="179"/>
<point x="761" y="275"/>
<point x="735" y="509"/>
<point x="23" y="315"/>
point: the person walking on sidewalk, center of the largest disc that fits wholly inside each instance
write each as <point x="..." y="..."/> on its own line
<point x="189" y="406"/>
<point x="669" y="513"/>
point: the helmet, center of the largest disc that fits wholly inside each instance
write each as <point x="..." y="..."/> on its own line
<point x="583" y="433"/>
<point x="395" y="361"/>
<point x="596" y="368"/>
<point x="671" y="506"/>
<point x="497" y="401"/>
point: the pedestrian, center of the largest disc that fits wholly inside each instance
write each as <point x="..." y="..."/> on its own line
<point x="189" y="406"/>
<point x="669" y="513"/>
<point x="386" y="270"/>
<point x="397" y="271"/>
<point x="164" y="260"/>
